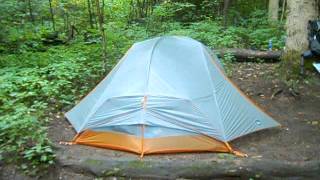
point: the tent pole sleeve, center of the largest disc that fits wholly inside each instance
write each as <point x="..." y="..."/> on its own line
<point x="142" y="141"/>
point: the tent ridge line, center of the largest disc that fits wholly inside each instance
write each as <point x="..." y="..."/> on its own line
<point x="149" y="64"/>
<point x="214" y="92"/>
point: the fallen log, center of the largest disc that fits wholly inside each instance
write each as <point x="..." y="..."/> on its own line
<point x="250" y="55"/>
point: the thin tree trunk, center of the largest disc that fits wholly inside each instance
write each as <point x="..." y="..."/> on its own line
<point x="67" y="21"/>
<point x="65" y="25"/>
<point x="226" y="5"/>
<point x="283" y="10"/>
<point x="139" y="7"/>
<point x="131" y="11"/>
<point x="100" y="13"/>
<point x="52" y="16"/>
<point x="94" y="13"/>
<point x="273" y="10"/>
<point x="30" y="11"/>
<point x="90" y="14"/>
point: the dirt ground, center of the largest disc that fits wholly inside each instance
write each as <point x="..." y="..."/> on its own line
<point x="298" y="112"/>
<point x="297" y="141"/>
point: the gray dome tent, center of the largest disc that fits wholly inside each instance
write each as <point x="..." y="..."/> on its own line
<point x="167" y="94"/>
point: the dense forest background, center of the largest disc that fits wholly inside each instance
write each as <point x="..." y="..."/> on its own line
<point x="52" y="52"/>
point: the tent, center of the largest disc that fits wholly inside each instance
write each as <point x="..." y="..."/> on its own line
<point x="167" y="94"/>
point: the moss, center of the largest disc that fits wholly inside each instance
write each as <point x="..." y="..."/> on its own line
<point x="93" y="162"/>
<point x="290" y="65"/>
<point x="289" y="70"/>
<point x="226" y="156"/>
<point x="139" y="164"/>
<point x="114" y="172"/>
<point x="196" y="167"/>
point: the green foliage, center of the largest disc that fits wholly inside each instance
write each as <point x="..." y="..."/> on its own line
<point x="227" y="61"/>
<point x="173" y="11"/>
<point x="20" y="132"/>
<point x="215" y="35"/>
<point x="21" y="40"/>
<point x="28" y="90"/>
<point x="260" y="31"/>
<point x="38" y="155"/>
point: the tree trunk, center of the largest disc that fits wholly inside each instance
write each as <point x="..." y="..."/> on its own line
<point x="90" y="13"/>
<point x="100" y="13"/>
<point x="67" y="25"/>
<point x="52" y="16"/>
<point x="226" y="5"/>
<point x="283" y="11"/>
<point x="273" y="10"/>
<point x="300" y="12"/>
<point x="94" y="13"/>
<point x="30" y="11"/>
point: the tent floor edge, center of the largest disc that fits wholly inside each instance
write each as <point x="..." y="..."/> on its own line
<point x="161" y="145"/>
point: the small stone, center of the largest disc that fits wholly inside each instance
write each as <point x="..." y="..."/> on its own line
<point x="314" y="122"/>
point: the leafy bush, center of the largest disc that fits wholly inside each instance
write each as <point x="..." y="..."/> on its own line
<point x="211" y="34"/>
<point x="22" y="39"/>
<point x="28" y="91"/>
<point x="253" y="32"/>
<point x="227" y="61"/>
<point x="20" y="135"/>
<point x="174" y="11"/>
<point x="260" y="31"/>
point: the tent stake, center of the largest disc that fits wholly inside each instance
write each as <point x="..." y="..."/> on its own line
<point x="72" y="142"/>
<point x="236" y="153"/>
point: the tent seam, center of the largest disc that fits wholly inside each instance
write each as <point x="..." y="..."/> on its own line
<point x="246" y="99"/>
<point x="149" y="65"/>
<point x="116" y="68"/>
<point x="214" y="93"/>
<point x="186" y="127"/>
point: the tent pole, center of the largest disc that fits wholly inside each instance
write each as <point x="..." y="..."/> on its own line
<point x="144" y="106"/>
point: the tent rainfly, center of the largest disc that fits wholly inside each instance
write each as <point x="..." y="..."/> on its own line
<point x="166" y="95"/>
